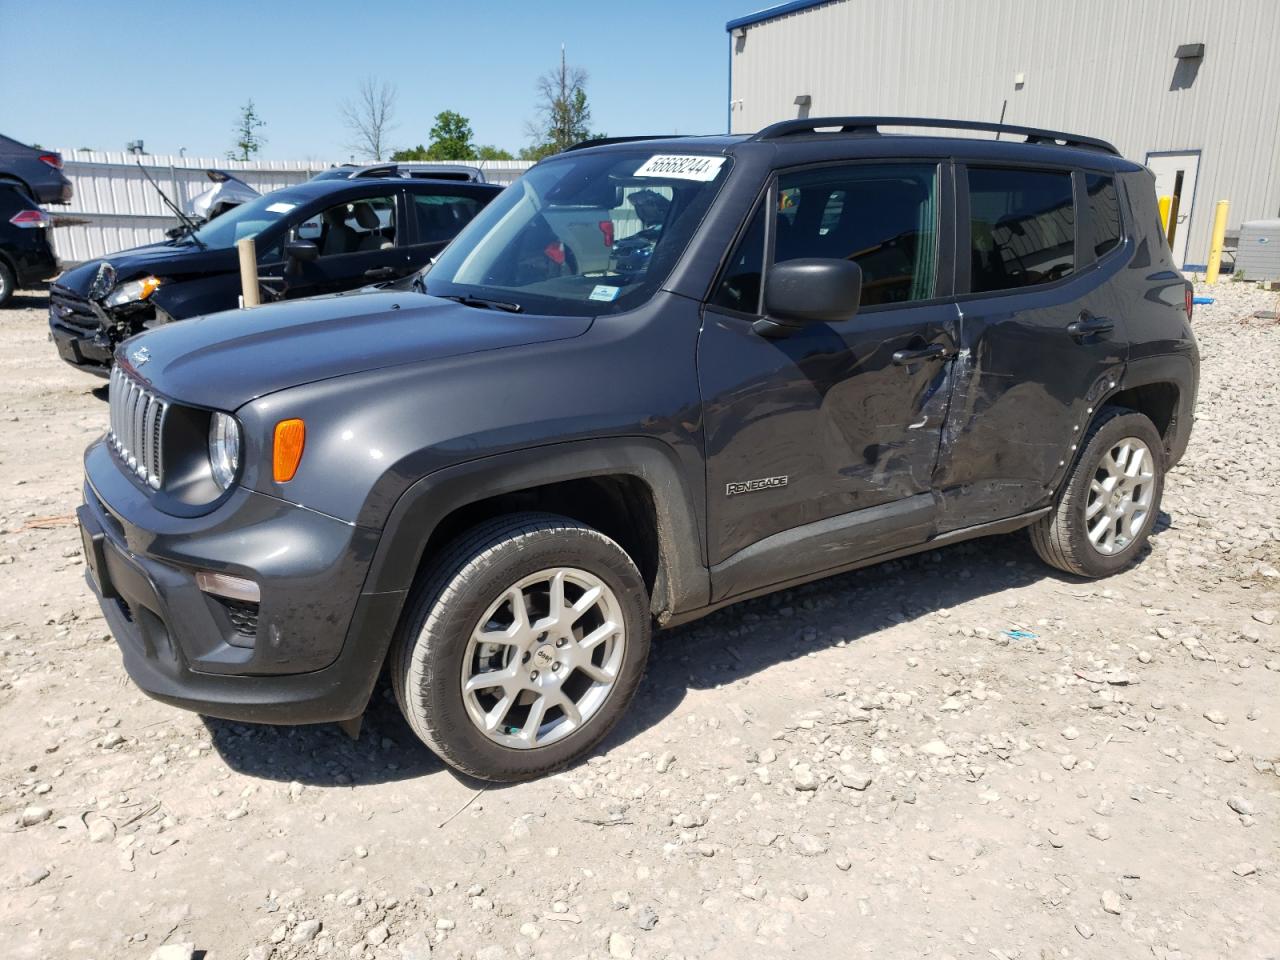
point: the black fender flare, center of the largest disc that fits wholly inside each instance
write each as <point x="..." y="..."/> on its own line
<point x="1181" y="370"/>
<point x="683" y="578"/>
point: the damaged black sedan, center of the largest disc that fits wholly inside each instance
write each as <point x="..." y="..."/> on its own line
<point x="318" y="237"/>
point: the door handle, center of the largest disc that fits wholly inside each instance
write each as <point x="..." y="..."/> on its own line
<point x="935" y="351"/>
<point x="380" y="273"/>
<point x="1089" y="326"/>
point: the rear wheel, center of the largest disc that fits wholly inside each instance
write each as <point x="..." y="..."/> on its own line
<point x="1111" y="499"/>
<point x="7" y="283"/>
<point x="523" y="646"/>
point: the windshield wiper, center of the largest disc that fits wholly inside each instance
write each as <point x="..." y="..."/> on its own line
<point x="467" y="301"/>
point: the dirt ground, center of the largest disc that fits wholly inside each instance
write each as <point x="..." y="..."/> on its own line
<point x="959" y="755"/>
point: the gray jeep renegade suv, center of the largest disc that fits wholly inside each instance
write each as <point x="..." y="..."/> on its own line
<point x="650" y="379"/>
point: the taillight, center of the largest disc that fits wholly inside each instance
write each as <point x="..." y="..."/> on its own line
<point x="52" y="159"/>
<point x="31" y="218"/>
<point x="1190" y="303"/>
<point x="606" y="228"/>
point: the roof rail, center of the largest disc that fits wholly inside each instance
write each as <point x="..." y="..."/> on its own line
<point x="870" y="126"/>
<point x="604" y="141"/>
<point x="381" y="170"/>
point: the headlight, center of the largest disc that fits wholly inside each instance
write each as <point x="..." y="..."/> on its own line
<point x="224" y="448"/>
<point x="132" y="292"/>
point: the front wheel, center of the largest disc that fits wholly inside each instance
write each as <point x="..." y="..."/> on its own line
<point x="523" y="646"/>
<point x="1111" y="499"/>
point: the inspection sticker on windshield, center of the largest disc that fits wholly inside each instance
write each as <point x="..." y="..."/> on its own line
<point x="602" y="292"/>
<point x="280" y="207"/>
<point x="677" y="167"/>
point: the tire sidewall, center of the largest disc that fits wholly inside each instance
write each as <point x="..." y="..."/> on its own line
<point x="8" y="284"/>
<point x="460" y="602"/>
<point x="1127" y="424"/>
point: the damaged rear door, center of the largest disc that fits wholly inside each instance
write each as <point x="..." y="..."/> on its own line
<point x="1041" y="338"/>
<point x="821" y="446"/>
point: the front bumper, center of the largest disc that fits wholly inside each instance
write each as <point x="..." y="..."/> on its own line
<point x="84" y="351"/>
<point x="311" y="650"/>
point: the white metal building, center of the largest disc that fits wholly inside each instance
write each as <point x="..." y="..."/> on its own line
<point x="1191" y="89"/>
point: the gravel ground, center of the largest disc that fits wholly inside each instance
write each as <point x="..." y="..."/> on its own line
<point x="873" y="765"/>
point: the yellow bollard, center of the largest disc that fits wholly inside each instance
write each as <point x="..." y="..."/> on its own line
<point x="1165" y="204"/>
<point x="1215" y="244"/>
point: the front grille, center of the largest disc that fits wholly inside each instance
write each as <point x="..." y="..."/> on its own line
<point x="71" y="309"/>
<point x="137" y="421"/>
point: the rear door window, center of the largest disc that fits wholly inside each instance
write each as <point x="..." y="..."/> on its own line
<point x="1022" y="227"/>
<point x="440" y="216"/>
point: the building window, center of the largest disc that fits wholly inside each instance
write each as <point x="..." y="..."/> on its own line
<point x="1104" y="212"/>
<point x="1022" y="228"/>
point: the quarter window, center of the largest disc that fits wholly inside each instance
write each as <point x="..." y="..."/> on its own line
<point x="740" y="288"/>
<point x="884" y="217"/>
<point x="1104" y="212"/>
<point x="1022" y="228"/>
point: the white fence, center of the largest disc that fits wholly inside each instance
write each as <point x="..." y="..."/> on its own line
<point x="114" y="207"/>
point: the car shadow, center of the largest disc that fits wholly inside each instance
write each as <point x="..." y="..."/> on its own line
<point x="726" y="647"/>
<point x="37" y="299"/>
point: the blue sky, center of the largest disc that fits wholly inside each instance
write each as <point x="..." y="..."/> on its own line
<point x="99" y="74"/>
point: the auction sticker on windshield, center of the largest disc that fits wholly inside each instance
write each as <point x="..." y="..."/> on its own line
<point x="675" y="167"/>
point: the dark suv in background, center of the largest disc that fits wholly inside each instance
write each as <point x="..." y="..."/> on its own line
<point x="316" y="237"/>
<point x="649" y="380"/>
<point x="36" y="170"/>
<point x="26" y="253"/>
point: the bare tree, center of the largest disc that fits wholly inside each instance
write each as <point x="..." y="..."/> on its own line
<point x="369" y="117"/>
<point x="564" y="116"/>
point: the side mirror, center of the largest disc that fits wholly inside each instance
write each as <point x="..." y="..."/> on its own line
<point x="811" y="290"/>
<point x="301" y="251"/>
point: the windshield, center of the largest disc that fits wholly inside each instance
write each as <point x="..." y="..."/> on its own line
<point x="247" y="220"/>
<point x="582" y="234"/>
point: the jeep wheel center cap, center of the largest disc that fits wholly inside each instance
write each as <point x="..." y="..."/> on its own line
<point x="544" y="657"/>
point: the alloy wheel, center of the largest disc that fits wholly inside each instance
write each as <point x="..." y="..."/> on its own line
<point x="1120" y="496"/>
<point x="543" y="658"/>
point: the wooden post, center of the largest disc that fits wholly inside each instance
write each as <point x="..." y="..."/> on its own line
<point x="248" y="271"/>
<point x="1215" y="244"/>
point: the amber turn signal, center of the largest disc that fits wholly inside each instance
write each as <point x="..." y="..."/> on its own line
<point x="287" y="451"/>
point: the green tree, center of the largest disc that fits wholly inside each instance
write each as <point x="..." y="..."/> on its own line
<point x="451" y="137"/>
<point x="563" y="113"/>
<point x="248" y="140"/>
<point x="489" y="152"/>
<point x="411" y="153"/>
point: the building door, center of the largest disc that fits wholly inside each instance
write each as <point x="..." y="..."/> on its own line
<point x="1176" y="179"/>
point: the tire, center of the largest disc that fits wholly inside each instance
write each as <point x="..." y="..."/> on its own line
<point x="1062" y="537"/>
<point x="467" y="594"/>
<point x="7" y="284"/>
